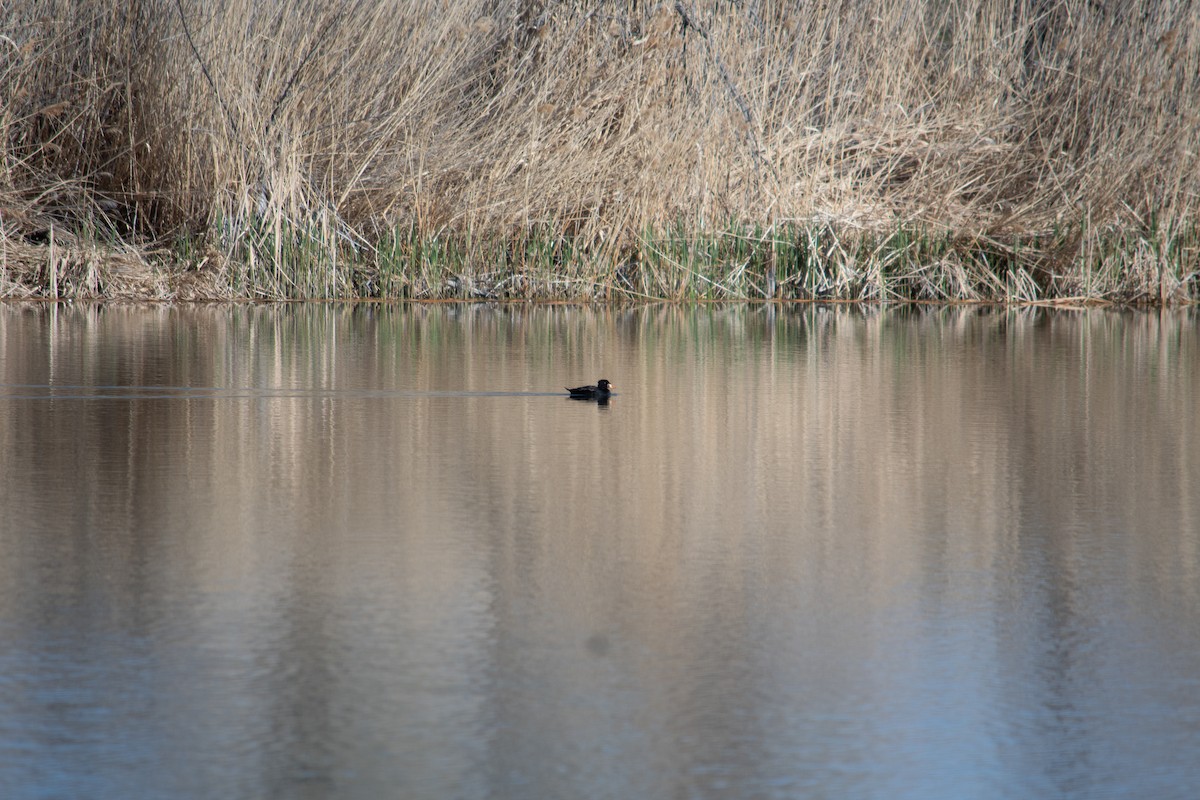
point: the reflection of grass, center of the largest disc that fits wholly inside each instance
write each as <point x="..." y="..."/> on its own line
<point x="694" y="150"/>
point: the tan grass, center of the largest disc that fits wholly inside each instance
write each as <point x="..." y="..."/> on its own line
<point x="293" y="129"/>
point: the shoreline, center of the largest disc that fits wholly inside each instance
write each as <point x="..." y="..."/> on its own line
<point x="897" y="268"/>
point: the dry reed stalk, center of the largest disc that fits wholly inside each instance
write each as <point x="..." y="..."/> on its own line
<point x="295" y="137"/>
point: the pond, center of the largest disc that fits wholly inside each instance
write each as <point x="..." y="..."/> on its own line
<point x="367" y="551"/>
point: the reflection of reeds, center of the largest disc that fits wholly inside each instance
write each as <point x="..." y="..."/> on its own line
<point x="692" y="150"/>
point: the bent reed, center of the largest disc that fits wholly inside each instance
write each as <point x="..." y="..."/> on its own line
<point x="1037" y="150"/>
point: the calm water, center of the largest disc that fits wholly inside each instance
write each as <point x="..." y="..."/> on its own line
<point x="329" y="551"/>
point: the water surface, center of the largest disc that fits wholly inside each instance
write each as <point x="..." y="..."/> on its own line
<point x="371" y="551"/>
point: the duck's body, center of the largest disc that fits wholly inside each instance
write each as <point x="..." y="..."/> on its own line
<point x="602" y="389"/>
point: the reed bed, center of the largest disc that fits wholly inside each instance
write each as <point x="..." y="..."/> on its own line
<point x="1035" y="150"/>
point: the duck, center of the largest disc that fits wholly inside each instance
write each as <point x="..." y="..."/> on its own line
<point x="601" y="390"/>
